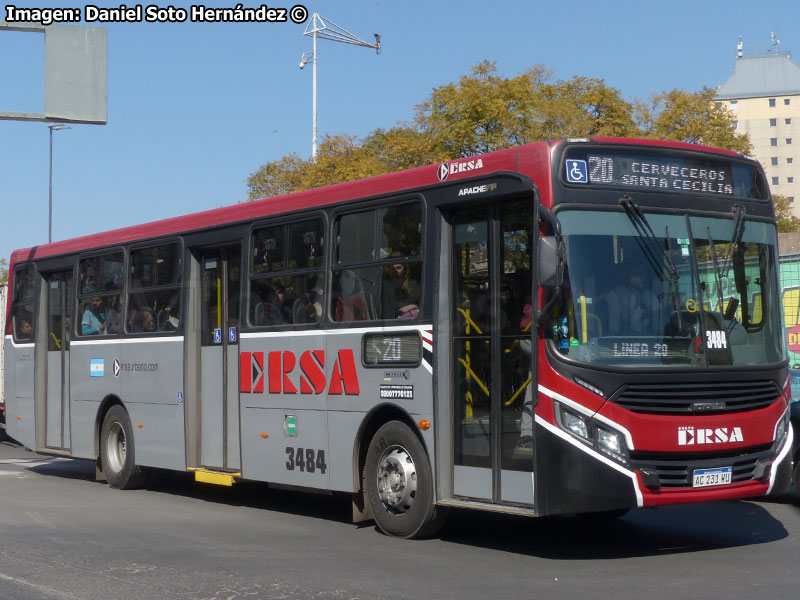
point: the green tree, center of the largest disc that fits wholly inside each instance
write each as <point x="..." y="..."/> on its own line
<point x="344" y="158"/>
<point x="403" y="147"/>
<point x="690" y="117"/>
<point x="485" y="112"/>
<point x="784" y="216"/>
<point x="583" y="107"/>
<point x="3" y="271"/>
<point x="277" y="178"/>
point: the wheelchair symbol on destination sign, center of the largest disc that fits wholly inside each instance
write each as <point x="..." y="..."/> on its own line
<point x="576" y="171"/>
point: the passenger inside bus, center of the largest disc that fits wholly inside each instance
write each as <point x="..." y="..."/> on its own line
<point x="525" y="441"/>
<point x="307" y="307"/>
<point x="114" y="315"/>
<point x="350" y="304"/>
<point x="144" y="321"/>
<point x="270" y="311"/>
<point x="93" y="320"/>
<point x="400" y="292"/>
<point x="24" y="328"/>
<point x="166" y="320"/>
<point x="632" y="306"/>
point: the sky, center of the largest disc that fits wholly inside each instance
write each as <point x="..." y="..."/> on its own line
<point x="195" y="108"/>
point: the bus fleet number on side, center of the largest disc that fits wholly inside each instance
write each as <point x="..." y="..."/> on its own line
<point x="308" y="460"/>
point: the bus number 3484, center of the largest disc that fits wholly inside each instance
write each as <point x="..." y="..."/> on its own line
<point x="307" y="459"/>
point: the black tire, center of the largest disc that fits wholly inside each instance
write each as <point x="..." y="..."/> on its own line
<point x="796" y="477"/>
<point x="117" y="455"/>
<point x="399" y="484"/>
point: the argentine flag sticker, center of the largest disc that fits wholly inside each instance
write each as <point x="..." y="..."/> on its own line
<point x="97" y="367"/>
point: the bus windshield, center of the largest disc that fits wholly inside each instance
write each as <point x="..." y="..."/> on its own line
<point x="679" y="291"/>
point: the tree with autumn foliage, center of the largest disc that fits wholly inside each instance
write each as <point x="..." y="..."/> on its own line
<point x="784" y="216"/>
<point x="485" y="112"/>
<point x="687" y="117"/>
<point x="344" y="158"/>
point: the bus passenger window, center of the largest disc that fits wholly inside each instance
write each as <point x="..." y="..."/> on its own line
<point x="154" y="292"/>
<point x="381" y="267"/>
<point x="287" y="291"/>
<point x="269" y="250"/>
<point x="22" y="303"/>
<point x="99" y="290"/>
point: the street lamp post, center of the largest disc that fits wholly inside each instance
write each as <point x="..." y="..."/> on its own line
<point x="52" y="128"/>
<point x="325" y="29"/>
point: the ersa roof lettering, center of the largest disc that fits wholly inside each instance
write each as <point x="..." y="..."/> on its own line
<point x="447" y="169"/>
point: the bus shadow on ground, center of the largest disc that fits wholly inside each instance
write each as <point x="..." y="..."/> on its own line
<point x="257" y="495"/>
<point x="321" y="505"/>
<point x="642" y="532"/>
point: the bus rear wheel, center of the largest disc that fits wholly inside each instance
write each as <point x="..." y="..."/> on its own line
<point x="399" y="484"/>
<point x="117" y="454"/>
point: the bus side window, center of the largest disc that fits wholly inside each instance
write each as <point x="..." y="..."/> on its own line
<point x="154" y="291"/>
<point x="286" y="279"/>
<point x="22" y="302"/>
<point x="378" y="272"/>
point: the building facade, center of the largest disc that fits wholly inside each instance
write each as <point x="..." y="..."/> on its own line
<point x="764" y="95"/>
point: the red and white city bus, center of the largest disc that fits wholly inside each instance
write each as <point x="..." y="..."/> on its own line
<point x="579" y="326"/>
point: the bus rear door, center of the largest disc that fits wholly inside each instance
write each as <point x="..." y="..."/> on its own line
<point x="220" y="290"/>
<point x="57" y="406"/>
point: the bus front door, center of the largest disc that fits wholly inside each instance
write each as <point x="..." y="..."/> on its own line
<point x="57" y="429"/>
<point x="493" y="391"/>
<point x="220" y="283"/>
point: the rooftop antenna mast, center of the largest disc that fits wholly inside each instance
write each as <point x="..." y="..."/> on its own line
<point x="325" y="29"/>
<point x="773" y="36"/>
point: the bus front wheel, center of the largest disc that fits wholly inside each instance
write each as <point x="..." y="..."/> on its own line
<point x="117" y="453"/>
<point x="399" y="484"/>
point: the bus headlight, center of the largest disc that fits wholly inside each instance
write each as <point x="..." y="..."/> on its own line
<point x="575" y="424"/>
<point x="782" y="427"/>
<point x="610" y="441"/>
<point x="601" y="437"/>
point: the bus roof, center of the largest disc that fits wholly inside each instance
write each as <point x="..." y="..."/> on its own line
<point x="501" y="160"/>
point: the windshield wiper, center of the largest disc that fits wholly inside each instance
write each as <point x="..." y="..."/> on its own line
<point x="717" y="276"/>
<point x="659" y="260"/>
<point x="738" y="229"/>
<point x="699" y="289"/>
<point x="673" y="283"/>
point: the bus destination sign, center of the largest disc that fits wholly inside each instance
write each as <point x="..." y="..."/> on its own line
<point x="651" y="171"/>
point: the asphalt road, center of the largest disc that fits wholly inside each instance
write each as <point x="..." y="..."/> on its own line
<point x="65" y="536"/>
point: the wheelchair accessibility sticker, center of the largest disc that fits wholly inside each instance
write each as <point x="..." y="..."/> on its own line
<point x="577" y="172"/>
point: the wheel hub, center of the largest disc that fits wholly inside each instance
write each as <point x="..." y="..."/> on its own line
<point x="117" y="448"/>
<point x="397" y="479"/>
